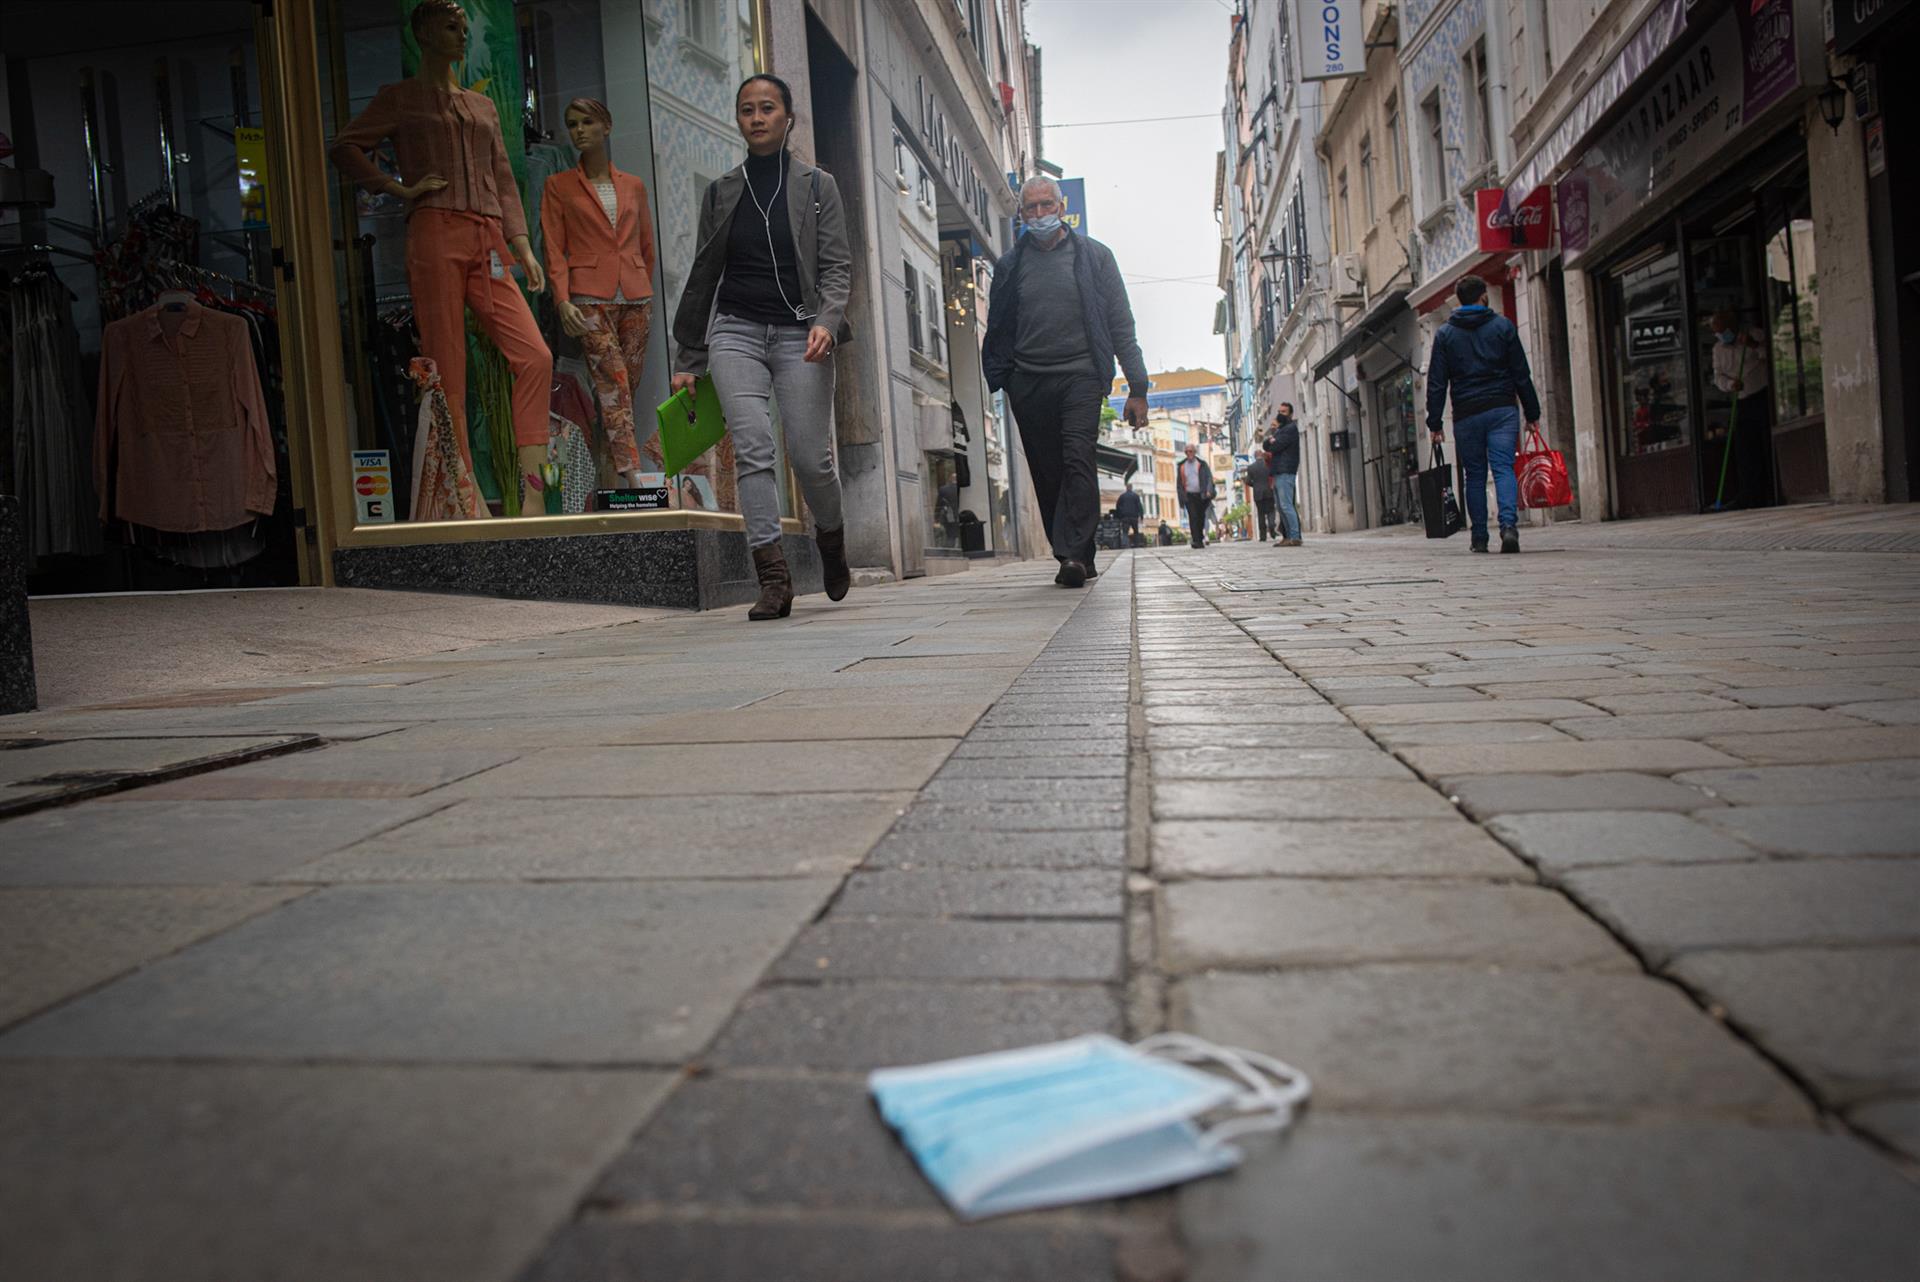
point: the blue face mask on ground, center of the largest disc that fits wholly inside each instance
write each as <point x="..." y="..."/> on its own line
<point x="1079" y="1120"/>
<point x="1044" y="226"/>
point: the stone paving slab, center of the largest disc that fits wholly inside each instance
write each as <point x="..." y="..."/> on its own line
<point x="1013" y="816"/>
<point x="1006" y="892"/>
<point x="663" y="770"/>
<point x="581" y="973"/>
<point x="1491" y="1041"/>
<point x="765" y="725"/>
<point x="1301" y="799"/>
<point x="1670" y="910"/>
<point x="747" y="1250"/>
<point x="1400" y="714"/>
<point x="1074" y="788"/>
<point x="158" y="1172"/>
<point x="187" y="842"/>
<point x="1331" y="848"/>
<point x="1868" y="743"/>
<point x="1248" y="924"/>
<point x="55" y="943"/>
<point x="49" y="756"/>
<point x="1276" y="763"/>
<point x="725" y="1142"/>
<point x="1847" y="1019"/>
<point x="1892" y="712"/>
<point x="1257" y="734"/>
<point x="1484" y="796"/>
<point x="342" y="770"/>
<point x="1559" y="840"/>
<point x="1282" y="715"/>
<point x="896" y="948"/>
<point x="1101" y="849"/>
<point x="1651" y="756"/>
<point x="1457" y="1200"/>
<point x="1649" y="726"/>
<point x="620" y="837"/>
<point x="981" y="766"/>
<point x="858" y="1027"/>
<point x="1837" y="829"/>
<point x="1468" y="732"/>
<point x="1786" y="785"/>
<point x="1816" y="696"/>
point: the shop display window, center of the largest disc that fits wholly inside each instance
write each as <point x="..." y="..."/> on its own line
<point x="1654" y="391"/>
<point x="484" y="388"/>
<point x="143" y="424"/>
<point x="1794" y="302"/>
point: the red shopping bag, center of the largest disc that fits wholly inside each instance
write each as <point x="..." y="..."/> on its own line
<point x="1542" y="473"/>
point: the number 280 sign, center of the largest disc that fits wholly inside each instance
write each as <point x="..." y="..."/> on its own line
<point x="1332" y="45"/>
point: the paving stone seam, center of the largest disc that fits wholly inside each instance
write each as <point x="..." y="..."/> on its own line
<point x="603" y="1212"/>
<point x="1801" y="1085"/>
<point x="134" y="780"/>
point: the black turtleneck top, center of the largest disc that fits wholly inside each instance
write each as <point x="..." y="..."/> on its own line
<point x="759" y="267"/>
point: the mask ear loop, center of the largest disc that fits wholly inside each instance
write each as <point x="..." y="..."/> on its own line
<point x="1274" y="1087"/>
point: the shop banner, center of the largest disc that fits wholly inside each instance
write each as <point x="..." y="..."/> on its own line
<point x="1766" y="52"/>
<point x="1744" y="62"/>
<point x="250" y="163"/>
<point x="1073" y="194"/>
<point x="1332" y="43"/>
<point x="1856" y="20"/>
<point x="1505" y="226"/>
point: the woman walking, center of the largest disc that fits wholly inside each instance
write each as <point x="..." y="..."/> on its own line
<point x="764" y="309"/>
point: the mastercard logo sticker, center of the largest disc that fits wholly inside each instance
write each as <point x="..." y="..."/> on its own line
<point x="371" y="486"/>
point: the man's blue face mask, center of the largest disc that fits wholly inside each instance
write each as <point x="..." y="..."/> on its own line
<point x="1078" y="1120"/>
<point x="1044" y="226"/>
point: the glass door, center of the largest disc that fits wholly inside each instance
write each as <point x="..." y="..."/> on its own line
<point x="1652" y="424"/>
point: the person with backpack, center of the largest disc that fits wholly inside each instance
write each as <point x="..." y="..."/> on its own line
<point x="1477" y="355"/>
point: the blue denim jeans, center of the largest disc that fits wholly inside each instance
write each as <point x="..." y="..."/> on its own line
<point x="1489" y="439"/>
<point x="1283" y="483"/>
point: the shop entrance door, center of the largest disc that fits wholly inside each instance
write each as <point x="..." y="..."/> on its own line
<point x="1652" y="427"/>
<point x="1729" y="337"/>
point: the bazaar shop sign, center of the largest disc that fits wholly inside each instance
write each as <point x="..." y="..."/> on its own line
<point x="1742" y="64"/>
<point x="1505" y="226"/>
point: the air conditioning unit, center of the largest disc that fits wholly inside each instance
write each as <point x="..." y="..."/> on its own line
<point x="1349" y="279"/>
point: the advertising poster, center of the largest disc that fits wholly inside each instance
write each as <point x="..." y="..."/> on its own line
<point x="250" y="163"/>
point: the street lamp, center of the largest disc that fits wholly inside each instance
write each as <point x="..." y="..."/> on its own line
<point x="1833" y="103"/>
<point x="1273" y="254"/>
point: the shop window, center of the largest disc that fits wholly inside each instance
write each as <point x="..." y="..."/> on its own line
<point x="1652" y="364"/>
<point x="143" y="426"/>
<point x="614" y="244"/>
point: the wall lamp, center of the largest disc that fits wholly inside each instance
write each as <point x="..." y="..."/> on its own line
<point x="1833" y="103"/>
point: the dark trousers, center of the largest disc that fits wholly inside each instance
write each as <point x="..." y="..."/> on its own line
<point x="1197" y="520"/>
<point x="1269" y="522"/>
<point x="1059" y="418"/>
<point x="1131" y="524"/>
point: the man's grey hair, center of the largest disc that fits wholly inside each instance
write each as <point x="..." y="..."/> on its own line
<point x="1041" y="180"/>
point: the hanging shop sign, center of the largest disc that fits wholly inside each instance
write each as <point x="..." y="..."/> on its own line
<point x="1854" y="21"/>
<point x="1073" y="194"/>
<point x="1332" y="43"/>
<point x="372" y="487"/>
<point x="1506" y="226"/>
<point x="1745" y="61"/>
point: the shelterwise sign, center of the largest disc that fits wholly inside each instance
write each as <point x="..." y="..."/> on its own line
<point x="1332" y="45"/>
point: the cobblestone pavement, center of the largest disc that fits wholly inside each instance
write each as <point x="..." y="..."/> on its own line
<point x="1585" y="885"/>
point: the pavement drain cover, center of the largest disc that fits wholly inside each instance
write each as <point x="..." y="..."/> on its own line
<point x="1325" y="583"/>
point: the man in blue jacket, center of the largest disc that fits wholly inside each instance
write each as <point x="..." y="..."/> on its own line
<point x="1478" y="354"/>
<point x="1058" y="320"/>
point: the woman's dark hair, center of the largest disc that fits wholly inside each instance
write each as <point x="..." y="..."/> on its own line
<point x="786" y="91"/>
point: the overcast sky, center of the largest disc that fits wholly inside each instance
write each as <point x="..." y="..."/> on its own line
<point x="1149" y="186"/>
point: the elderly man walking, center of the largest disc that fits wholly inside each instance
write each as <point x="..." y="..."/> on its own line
<point x="1058" y="319"/>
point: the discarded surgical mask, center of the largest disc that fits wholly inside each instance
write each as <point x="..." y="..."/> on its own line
<point x="1082" y="1119"/>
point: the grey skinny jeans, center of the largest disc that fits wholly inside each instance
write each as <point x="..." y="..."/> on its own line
<point x="754" y="365"/>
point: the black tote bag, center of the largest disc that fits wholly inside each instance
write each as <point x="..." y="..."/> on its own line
<point x="1437" y="504"/>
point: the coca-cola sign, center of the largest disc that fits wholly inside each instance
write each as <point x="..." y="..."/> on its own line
<point x="1505" y="226"/>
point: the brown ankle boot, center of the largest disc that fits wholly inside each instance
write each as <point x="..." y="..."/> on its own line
<point x="833" y="561"/>
<point x="776" y="586"/>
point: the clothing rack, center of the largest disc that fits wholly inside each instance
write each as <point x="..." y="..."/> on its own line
<point x="187" y="275"/>
<point x="46" y="249"/>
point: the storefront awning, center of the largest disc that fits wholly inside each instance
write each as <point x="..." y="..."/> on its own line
<point x="1376" y="319"/>
<point x="1115" y="461"/>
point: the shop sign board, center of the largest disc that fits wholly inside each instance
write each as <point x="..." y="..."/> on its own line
<point x="1655" y="334"/>
<point x="1505" y="226"/>
<point x="250" y="165"/>
<point x="1744" y="62"/>
<point x="1333" y="45"/>
<point x="1876" y="147"/>
<point x="372" y="487"/>
<point x="1855" y="20"/>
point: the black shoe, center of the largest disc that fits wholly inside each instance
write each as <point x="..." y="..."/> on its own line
<point x="1061" y="577"/>
<point x="1092" y="573"/>
<point x="1072" y="575"/>
<point x="1478" y="545"/>
<point x="1509" y="539"/>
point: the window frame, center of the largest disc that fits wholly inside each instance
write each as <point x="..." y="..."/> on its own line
<point x="1433" y="142"/>
<point x="1366" y="178"/>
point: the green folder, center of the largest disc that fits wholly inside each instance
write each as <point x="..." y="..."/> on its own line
<point x="690" y="425"/>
